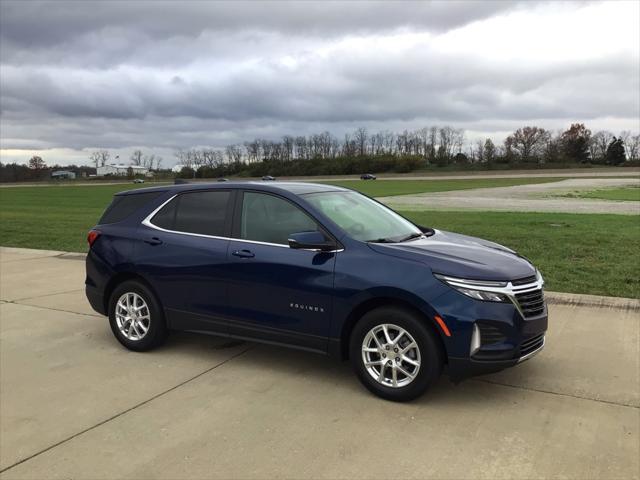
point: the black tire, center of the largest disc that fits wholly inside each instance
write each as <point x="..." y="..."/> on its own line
<point x="157" y="327"/>
<point x="431" y="354"/>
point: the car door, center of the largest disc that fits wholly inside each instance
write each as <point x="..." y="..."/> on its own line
<point x="182" y="252"/>
<point x="277" y="293"/>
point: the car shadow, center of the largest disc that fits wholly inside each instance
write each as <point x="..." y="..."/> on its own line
<point x="332" y="372"/>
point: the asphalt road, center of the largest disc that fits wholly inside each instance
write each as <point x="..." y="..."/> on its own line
<point x="75" y="404"/>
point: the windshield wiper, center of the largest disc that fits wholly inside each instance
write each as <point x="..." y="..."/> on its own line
<point x="412" y="236"/>
<point x="394" y="240"/>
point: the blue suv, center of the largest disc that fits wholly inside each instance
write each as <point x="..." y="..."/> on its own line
<point x="315" y="267"/>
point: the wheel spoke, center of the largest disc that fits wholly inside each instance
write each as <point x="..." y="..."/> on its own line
<point x="370" y="350"/>
<point x="135" y="328"/>
<point x="386" y="334"/>
<point x="374" y="362"/>
<point x="381" y="376"/>
<point x="408" y="347"/>
<point x="405" y="373"/>
<point x="410" y="360"/>
<point x="399" y="336"/>
<point x="394" y="375"/>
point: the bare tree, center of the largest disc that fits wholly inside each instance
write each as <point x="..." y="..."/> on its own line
<point x="148" y="161"/>
<point x="633" y="147"/>
<point x="529" y="142"/>
<point x="136" y="158"/>
<point x="480" y="151"/>
<point x="100" y="157"/>
<point x="598" y="145"/>
<point x="360" y="139"/>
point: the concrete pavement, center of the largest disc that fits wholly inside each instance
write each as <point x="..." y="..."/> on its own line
<point x="75" y="404"/>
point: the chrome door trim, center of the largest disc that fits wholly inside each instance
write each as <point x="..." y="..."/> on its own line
<point x="147" y="223"/>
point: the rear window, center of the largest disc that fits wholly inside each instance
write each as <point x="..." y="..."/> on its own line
<point x="204" y="213"/>
<point x="124" y="205"/>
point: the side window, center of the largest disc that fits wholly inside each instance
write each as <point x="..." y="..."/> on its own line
<point x="266" y="218"/>
<point x="195" y="212"/>
<point x="124" y="205"/>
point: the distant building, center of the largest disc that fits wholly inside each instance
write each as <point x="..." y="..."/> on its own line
<point x="63" y="174"/>
<point x="114" y="169"/>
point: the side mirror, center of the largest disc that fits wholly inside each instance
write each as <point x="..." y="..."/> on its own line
<point x="310" y="241"/>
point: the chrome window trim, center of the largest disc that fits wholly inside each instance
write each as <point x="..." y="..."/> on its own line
<point x="148" y="223"/>
<point x="536" y="351"/>
<point x="509" y="290"/>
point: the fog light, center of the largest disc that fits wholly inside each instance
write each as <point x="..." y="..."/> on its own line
<point x="475" y="340"/>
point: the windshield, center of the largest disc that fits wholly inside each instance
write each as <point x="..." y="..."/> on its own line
<point x="362" y="218"/>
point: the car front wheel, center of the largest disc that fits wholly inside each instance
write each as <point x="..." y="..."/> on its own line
<point x="395" y="355"/>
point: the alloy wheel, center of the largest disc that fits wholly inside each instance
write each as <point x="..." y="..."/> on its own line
<point x="132" y="316"/>
<point x="391" y="355"/>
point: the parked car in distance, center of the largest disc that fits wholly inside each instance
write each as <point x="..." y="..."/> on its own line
<point x="223" y="179"/>
<point x="268" y="178"/>
<point x="138" y="180"/>
<point x="315" y="267"/>
<point x="367" y="176"/>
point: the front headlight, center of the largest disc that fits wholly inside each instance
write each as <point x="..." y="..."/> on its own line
<point x="486" y="291"/>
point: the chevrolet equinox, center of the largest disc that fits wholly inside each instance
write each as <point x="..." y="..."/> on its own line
<point x="315" y="267"/>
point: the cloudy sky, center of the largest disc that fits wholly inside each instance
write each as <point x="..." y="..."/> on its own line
<point x="160" y="75"/>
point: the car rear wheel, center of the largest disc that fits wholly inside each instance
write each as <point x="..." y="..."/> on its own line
<point x="394" y="354"/>
<point x="136" y="317"/>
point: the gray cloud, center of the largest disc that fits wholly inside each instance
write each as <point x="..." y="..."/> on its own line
<point x="173" y="75"/>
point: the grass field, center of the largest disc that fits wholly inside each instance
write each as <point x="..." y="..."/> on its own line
<point x="595" y="254"/>
<point x="387" y="188"/>
<point x="52" y="218"/>
<point x="578" y="253"/>
<point x="625" y="193"/>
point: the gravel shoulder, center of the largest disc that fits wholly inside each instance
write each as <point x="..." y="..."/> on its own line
<point x="542" y="197"/>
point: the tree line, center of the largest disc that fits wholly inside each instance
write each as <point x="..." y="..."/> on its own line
<point x="363" y="151"/>
<point x="360" y="151"/>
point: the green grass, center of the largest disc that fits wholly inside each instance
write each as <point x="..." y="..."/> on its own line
<point x="622" y="193"/>
<point x="387" y="188"/>
<point x="578" y="253"/>
<point x="53" y="218"/>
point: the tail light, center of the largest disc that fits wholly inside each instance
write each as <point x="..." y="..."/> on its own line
<point x="92" y="236"/>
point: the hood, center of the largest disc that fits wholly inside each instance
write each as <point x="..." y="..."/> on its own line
<point x="462" y="256"/>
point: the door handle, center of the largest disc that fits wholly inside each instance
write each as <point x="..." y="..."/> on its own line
<point x="153" y="241"/>
<point x="243" y="254"/>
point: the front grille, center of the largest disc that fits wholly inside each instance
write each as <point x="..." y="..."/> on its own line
<point x="531" y="344"/>
<point x="524" y="281"/>
<point x="490" y="334"/>
<point x="531" y="303"/>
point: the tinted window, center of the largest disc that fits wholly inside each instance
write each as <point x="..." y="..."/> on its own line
<point x="166" y="217"/>
<point x="124" y="205"/>
<point x="266" y="218"/>
<point x="195" y="212"/>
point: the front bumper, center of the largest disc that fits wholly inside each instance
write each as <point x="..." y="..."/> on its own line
<point x="461" y="368"/>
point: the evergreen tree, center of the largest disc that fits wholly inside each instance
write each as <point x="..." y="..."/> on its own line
<point x="615" y="152"/>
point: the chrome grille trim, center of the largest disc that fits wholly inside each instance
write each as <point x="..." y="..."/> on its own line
<point x="510" y="289"/>
<point x="535" y="351"/>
